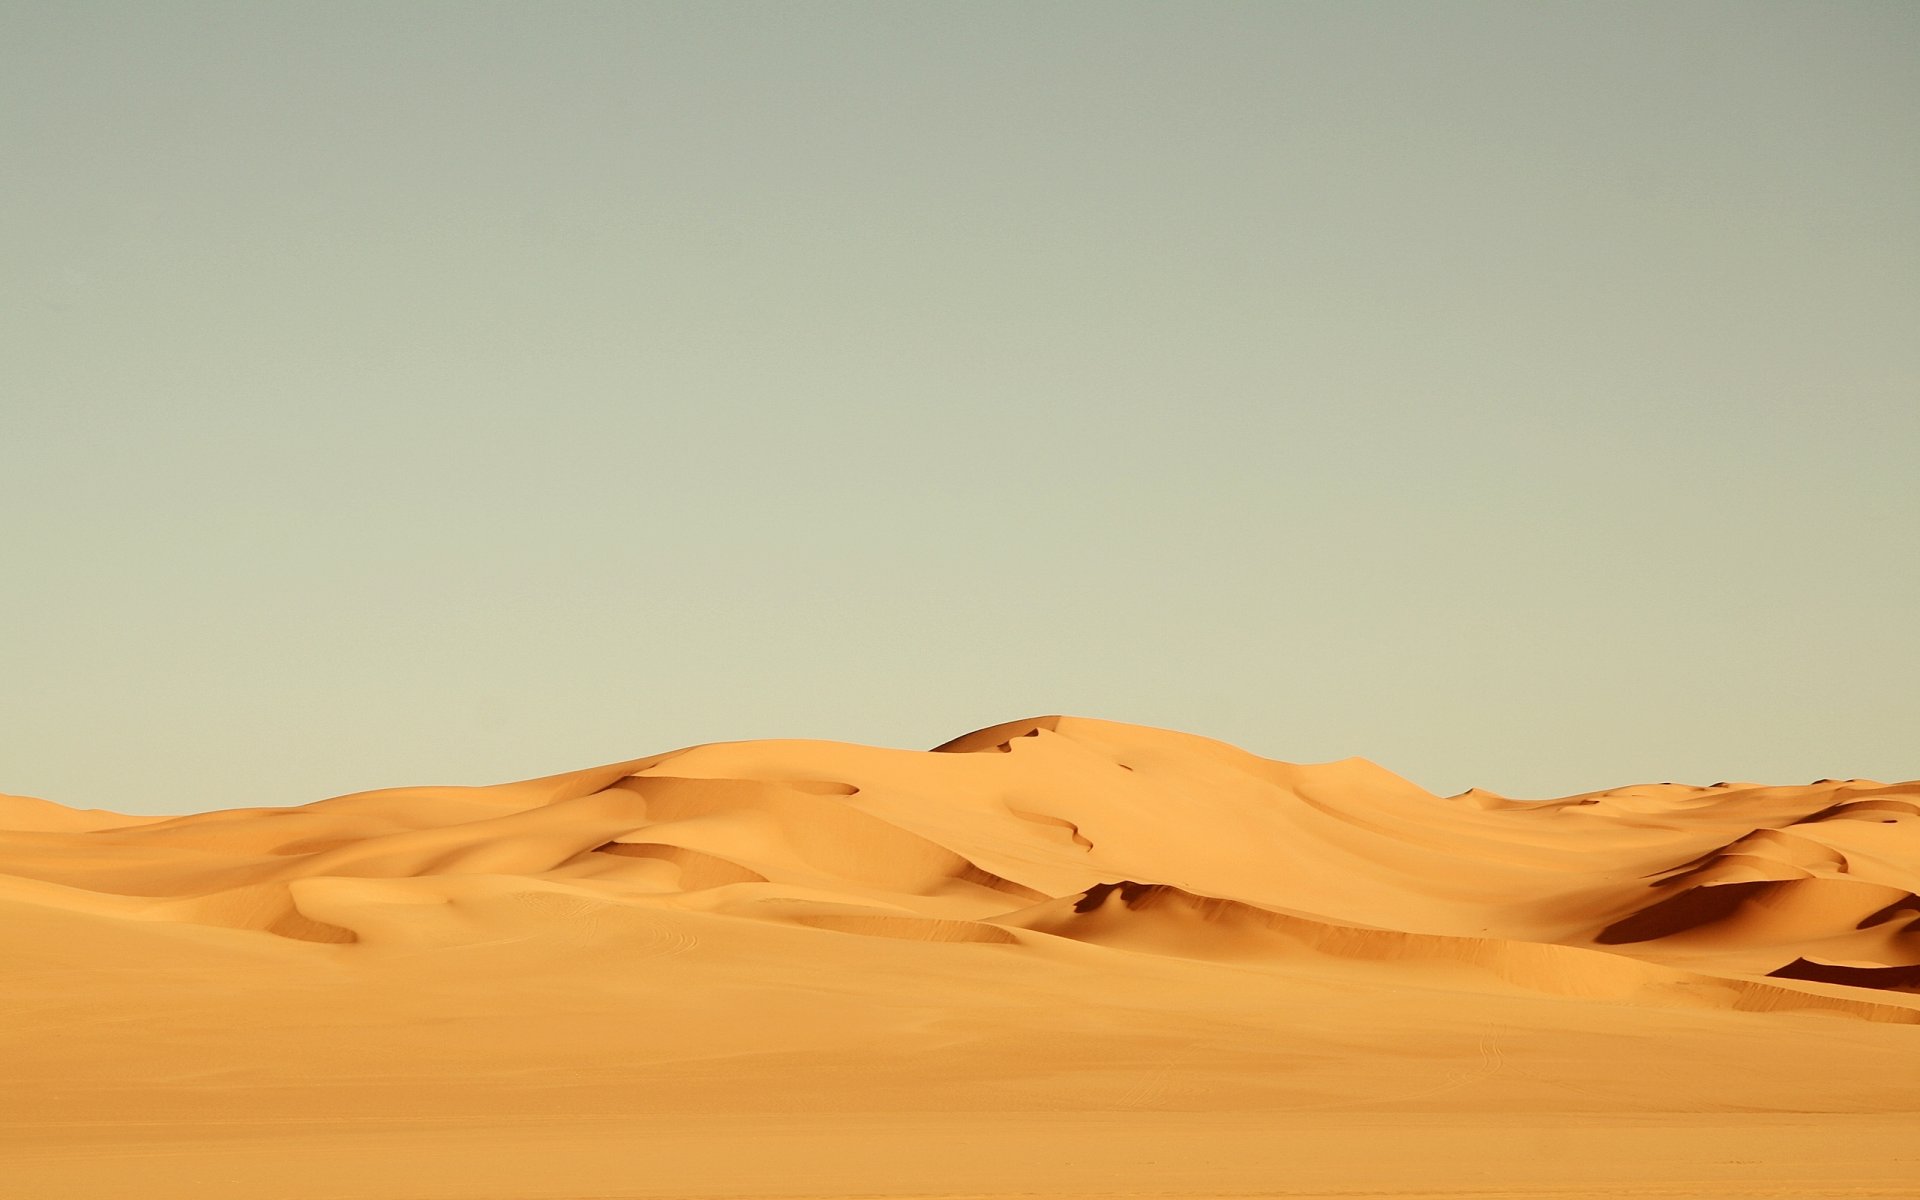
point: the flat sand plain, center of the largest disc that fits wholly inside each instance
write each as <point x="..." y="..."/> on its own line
<point x="1056" y="958"/>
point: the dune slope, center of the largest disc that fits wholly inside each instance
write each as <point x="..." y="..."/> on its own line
<point x="1057" y="917"/>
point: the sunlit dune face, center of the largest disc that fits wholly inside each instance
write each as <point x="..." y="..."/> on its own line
<point x="1035" y="915"/>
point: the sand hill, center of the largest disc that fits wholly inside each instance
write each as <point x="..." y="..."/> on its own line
<point x="1058" y="957"/>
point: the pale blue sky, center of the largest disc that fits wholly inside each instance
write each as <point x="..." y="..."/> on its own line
<point x="1521" y="395"/>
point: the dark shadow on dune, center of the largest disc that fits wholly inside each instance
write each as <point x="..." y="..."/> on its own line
<point x="1886" y="979"/>
<point x="1910" y="904"/>
<point x="1688" y="910"/>
<point x="998" y="737"/>
<point x="1133" y="895"/>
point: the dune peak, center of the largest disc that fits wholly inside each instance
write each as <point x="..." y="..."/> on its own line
<point x="1028" y="915"/>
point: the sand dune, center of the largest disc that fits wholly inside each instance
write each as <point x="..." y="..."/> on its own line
<point x="1057" y="916"/>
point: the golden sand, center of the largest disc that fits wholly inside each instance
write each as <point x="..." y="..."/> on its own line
<point x="1056" y="958"/>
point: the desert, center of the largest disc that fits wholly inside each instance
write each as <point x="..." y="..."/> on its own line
<point x="510" y="512"/>
<point x="1056" y="957"/>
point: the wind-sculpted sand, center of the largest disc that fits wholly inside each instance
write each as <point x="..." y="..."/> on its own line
<point x="1055" y="958"/>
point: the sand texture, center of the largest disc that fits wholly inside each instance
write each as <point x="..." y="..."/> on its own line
<point x="1055" y="958"/>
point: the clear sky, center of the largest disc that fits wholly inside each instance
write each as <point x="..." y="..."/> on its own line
<point x="1518" y="395"/>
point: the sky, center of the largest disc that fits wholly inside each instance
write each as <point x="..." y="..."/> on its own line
<point x="1523" y="396"/>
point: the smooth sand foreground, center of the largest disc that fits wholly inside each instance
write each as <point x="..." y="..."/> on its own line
<point x="1057" y="958"/>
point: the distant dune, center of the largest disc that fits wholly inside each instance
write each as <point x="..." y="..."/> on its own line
<point x="1052" y="916"/>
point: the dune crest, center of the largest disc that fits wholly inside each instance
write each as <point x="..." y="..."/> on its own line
<point x="1141" y="839"/>
<point x="1050" y="915"/>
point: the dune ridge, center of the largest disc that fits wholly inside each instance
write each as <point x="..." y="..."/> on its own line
<point x="1058" y="914"/>
<point x="1047" y="811"/>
